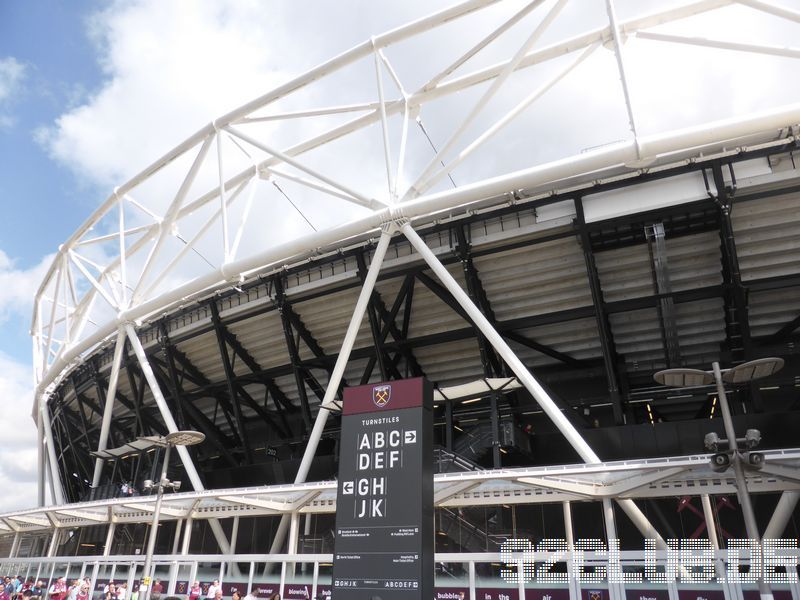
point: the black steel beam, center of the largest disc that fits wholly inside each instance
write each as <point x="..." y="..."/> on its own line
<point x="199" y="420"/>
<point x="229" y="377"/>
<point x="285" y="311"/>
<point x="610" y="359"/>
<point x="545" y="349"/>
<point x="783" y="333"/>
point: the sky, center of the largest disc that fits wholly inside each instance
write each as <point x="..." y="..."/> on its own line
<point x="91" y="92"/>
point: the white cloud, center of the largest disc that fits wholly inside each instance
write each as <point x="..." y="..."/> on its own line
<point x="18" y="286"/>
<point x="12" y="73"/>
<point x="18" y="456"/>
<point x="18" y="466"/>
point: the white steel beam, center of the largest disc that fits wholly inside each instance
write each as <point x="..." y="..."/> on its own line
<point x="721" y="44"/>
<point x="338" y="370"/>
<point x="421" y="184"/>
<point x="108" y="409"/>
<point x="55" y="480"/>
<point x="525" y="376"/>
<point x="169" y="421"/>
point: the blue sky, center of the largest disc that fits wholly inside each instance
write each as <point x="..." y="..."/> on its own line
<point x="43" y="200"/>
<point x="93" y="91"/>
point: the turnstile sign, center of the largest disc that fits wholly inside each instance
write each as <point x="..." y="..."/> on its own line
<point x="384" y="501"/>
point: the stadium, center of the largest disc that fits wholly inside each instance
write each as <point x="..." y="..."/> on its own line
<point x="595" y="326"/>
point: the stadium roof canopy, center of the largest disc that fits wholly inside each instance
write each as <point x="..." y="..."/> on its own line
<point x="603" y="244"/>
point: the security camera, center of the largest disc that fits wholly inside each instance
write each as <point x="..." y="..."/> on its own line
<point x="711" y="442"/>
<point x="176" y="485"/>
<point x="752" y="438"/>
<point x="753" y="460"/>
<point x="720" y="462"/>
<point x="148" y="484"/>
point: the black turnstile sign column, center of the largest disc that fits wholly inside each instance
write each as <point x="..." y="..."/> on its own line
<point x="384" y="501"/>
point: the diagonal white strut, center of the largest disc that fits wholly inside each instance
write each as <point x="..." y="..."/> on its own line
<point x="169" y="421"/>
<point x="338" y="372"/>
<point x="525" y="377"/>
<point x="111" y="394"/>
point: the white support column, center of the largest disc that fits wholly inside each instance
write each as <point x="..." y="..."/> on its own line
<point x="187" y="536"/>
<point x="294" y="536"/>
<point x="472" y="593"/>
<point x="51" y="550"/>
<point x="173" y="569"/>
<point x="616" y="590"/>
<point x="169" y="421"/>
<point x="337" y="373"/>
<point x="780" y="517"/>
<point x="234" y="536"/>
<point x="525" y="377"/>
<point x="14" y="545"/>
<point x="711" y="527"/>
<point x="55" y="480"/>
<point x="574" y="586"/>
<point x="40" y="458"/>
<point x="315" y="579"/>
<point x="109" y="538"/>
<point x="620" y="56"/>
<point x="111" y="394"/>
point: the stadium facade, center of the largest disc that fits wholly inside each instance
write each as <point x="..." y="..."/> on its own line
<point x="540" y="302"/>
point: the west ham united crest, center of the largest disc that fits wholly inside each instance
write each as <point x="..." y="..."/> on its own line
<point x="381" y="394"/>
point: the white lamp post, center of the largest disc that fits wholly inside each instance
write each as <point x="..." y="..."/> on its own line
<point x="176" y="438"/>
<point x="744" y="373"/>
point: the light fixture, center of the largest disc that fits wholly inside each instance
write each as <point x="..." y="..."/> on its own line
<point x="754" y="369"/>
<point x="683" y="377"/>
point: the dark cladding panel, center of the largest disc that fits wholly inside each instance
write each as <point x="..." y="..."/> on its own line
<point x="384" y="515"/>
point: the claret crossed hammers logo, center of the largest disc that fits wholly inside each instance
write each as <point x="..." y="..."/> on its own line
<point x="381" y="394"/>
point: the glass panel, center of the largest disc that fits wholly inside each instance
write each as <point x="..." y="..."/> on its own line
<point x="489" y="585"/>
<point x="266" y="579"/>
<point x="299" y="580"/>
<point x="123" y="575"/>
<point x="451" y="579"/>
<point x="207" y="575"/>
<point x="160" y="580"/>
<point x="235" y="579"/>
<point x="324" y="580"/>
<point x="183" y="574"/>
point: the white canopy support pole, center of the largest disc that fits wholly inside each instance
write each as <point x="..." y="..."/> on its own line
<point x="525" y="377"/>
<point x="569" y="534"/>
<point x="108" y="409"/>
<point x="165" y="226"/>
<point x="40" y="456"/>
<point x="780" y="517"/>
<point x="421" y="183"/>
<point x="507" y="118"/>
<point x="55" y="480"/>
<point x="355" y="197"/>
<point x="112" y="526"/>
<point x="721" y="44"/>
<point x="223" y="205"/>
<point x="488" y="39"/>
<point x="711" y="527"/>
<point x="768" y="7"/>
<point x="615" y="588"/>
<point x="623" y="77"/>
<point x="387" y="152"/>
<point x="169" y="421"/>
<point x="338" y="372"/>
<point x="192" y="243"/>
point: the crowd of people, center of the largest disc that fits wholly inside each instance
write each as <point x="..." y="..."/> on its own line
<point x="17" y="588"/>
